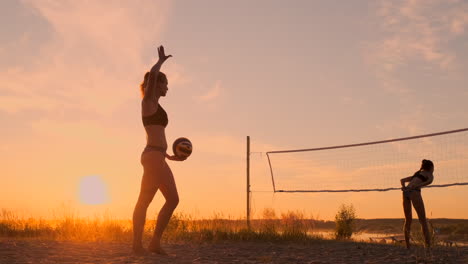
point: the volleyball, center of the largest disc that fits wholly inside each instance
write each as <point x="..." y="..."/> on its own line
<point x="182" y="147"/>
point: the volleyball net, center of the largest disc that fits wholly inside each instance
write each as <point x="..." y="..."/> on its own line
<point x="371" y="166"/>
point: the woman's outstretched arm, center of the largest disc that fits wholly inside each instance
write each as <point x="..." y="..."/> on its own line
<point x="150" y="89"/>
<point x="174" y="157"/>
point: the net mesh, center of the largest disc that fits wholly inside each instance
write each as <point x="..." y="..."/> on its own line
<point x="371" y="166"/>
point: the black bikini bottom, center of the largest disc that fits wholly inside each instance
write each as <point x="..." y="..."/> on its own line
<point x="407" y="193"/>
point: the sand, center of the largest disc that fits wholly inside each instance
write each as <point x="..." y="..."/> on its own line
<point x="15" y="251"/>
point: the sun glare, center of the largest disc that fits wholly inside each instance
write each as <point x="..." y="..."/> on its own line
<point x="92" y="190"/>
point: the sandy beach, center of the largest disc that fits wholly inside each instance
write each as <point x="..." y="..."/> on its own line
<point x="16" y="251"/>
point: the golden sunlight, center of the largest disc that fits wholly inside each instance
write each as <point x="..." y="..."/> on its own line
<point x="92" y="190"/>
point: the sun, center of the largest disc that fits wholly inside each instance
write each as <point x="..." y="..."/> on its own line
<point x="92" y="190"/>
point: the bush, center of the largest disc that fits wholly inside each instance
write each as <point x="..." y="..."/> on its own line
<point x="344" y="221"/>
<point x="269" y="222"/>
<point x="293" y="224"/>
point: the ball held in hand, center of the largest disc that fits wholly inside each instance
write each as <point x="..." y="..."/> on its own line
<point x="182" y="147"/>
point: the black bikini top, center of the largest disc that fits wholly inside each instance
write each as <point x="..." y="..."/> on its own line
<point x="419" y="175"/>
<point x="158" y="118"/>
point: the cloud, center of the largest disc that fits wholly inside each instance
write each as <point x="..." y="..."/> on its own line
<point x="417" y="37"/>
<point x="177" y="74"/>
<point x="417" y="30"/>
<point x="459" y="22"/>
<point x="93" y="59"/>
<point x="212" y="94"/>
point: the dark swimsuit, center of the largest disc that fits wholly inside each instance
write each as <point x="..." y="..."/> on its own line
<point x="158" y="118"/>
<point x="407" y="193"/>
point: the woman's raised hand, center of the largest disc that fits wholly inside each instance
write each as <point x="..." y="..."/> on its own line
<point x="162" y="55"/>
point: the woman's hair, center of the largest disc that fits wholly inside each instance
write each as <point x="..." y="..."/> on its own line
<point x="427" y="164"/>
<point x="161" y="78"/>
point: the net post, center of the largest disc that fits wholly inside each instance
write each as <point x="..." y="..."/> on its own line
<point x="248" y="182"/>
<point x="271" y="172"/>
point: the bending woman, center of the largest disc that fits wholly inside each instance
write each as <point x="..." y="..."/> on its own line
<point x="156" y="172"/>
<point x="412" y="195"/>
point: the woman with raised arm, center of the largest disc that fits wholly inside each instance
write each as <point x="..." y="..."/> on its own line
<point x="412" y="195"/>
<point x="156" y="172"/>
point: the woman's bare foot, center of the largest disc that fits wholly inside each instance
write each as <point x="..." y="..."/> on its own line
<point x="156" y="248"/>
<point x="139" y="250"/>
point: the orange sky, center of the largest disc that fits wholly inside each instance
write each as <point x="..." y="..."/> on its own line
<point x="308" y="74"/>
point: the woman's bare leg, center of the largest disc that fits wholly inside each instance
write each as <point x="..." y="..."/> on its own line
<point x="408" y="218"/>
<point x="418" y="204"/>
<point x="152" y="164"/>
<point x="139" y="217"/>
<point x="169" y="190"/>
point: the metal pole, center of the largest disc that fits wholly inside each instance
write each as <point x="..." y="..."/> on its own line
<point x="248" y="182"/>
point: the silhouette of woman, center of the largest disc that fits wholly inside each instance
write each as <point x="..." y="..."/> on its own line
<point x="156" y="172"/>
<point x="412" y="195"/>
